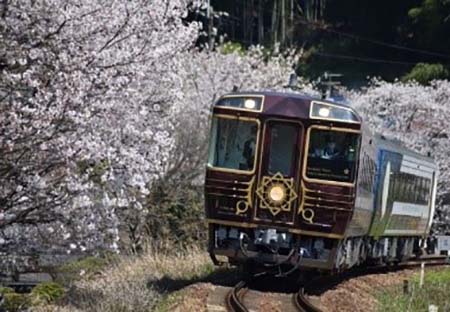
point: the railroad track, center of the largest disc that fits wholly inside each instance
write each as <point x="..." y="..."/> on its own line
<point x="235" y="303"/>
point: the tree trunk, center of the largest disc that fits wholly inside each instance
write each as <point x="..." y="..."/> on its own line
<point x="260" y="22"/>
<point x="291" y="23"/>
<point x="275" y="22"/>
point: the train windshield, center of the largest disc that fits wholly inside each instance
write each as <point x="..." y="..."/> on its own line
<point x="233" y="144"/>
<point x="332" y="155"/>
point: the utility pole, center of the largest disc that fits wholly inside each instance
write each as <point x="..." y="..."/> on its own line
<point x="329" y="84"/>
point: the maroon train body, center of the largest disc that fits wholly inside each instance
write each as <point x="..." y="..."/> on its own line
<point x="285" y="184"/>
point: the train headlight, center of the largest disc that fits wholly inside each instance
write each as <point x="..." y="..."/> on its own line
<point x="324" y="112"/>
<point x="277" y="193"/>
<point x="250" y="103"/>
<point x="329" y="111"/>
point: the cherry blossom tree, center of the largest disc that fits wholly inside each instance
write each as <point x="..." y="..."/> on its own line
<point x="419" y="117"/>
<point x="86" y="97"/>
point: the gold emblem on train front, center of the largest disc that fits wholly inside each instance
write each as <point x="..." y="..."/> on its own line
<point x="306" y="213"/>
<point x="276" y="193"/>
<point x="244" y="204"/>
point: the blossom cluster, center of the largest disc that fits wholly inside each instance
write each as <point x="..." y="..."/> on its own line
<point x="85" y="119"/>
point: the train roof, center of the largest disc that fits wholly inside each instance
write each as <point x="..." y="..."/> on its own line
<point x="290" y="104"/>
<point x="275" y="93"/>
<point x="287" y="94"/>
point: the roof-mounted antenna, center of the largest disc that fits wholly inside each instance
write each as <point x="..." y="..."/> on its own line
<point x="293" y="80"/>
<point x="292" y="83"/>
<point x="328" y="85"/>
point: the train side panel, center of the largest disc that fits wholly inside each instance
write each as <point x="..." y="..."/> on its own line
<point x="364" y="207"/>
<point x="404" y="191"/>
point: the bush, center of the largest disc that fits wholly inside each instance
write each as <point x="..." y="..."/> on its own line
<point x="6" y="290"/>
<point x="15" y="302"/>
<point x="176" y="214"/>
<point x="232" y="47"/>
<point x="423" y="73"/>
<point x="46" y="292"/>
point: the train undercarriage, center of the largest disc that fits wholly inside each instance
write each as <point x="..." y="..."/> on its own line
<point x="272" y="246"/>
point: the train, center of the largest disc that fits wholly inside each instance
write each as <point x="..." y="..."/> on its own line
<point x="301" y="182"/>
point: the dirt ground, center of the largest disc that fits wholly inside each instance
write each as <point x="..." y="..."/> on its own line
<point x="353" y="295"/>
<point x="357" y="294"/>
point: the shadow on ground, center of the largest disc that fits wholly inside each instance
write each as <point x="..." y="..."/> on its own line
<point x="228" y="277"/>
<point x="222" y="276"/>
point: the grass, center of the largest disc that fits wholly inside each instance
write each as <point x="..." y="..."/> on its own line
<point x="150" y="282"/>
<point x="43" y="294"/>
<point x="436" y="291"/>
<point x="153" y="281"/>
<point x="168" y="301"/>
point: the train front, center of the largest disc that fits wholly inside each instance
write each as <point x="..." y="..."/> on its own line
<point x="280" y="179"/>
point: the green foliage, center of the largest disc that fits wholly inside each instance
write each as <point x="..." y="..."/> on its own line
<point x="424" y="73"/>
<point x="435" y="291"/>
<point x="47" y="292"/>
<point x="430" y="24"/>
<point x="6" y="290"/>
<point x="176" y="214"/>
<point x="232" y="47"/>
<point x="414" y="13"/>
<point x="43" y="293"/>
<point x="16" y="302"/>
<point x="95" y="169"/>
<point x="434" y="277"/>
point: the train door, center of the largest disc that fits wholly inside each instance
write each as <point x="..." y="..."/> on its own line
<point x="278" y="183"/>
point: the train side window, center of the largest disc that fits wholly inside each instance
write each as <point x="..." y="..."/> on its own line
<point x="427" y="190"/>
<point x="403" y="189"/>
<point x="394" y="185"/>
<point x="410" y="188"/>
<point x="421" y="190"/>
<point x="367" y="173"/>
<point x="407" y="188"/>
<point x="415" y="190"/>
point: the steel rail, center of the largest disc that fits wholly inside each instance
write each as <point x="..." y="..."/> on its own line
<point x="302" y="303"/>
<point x="234" y="298"/>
